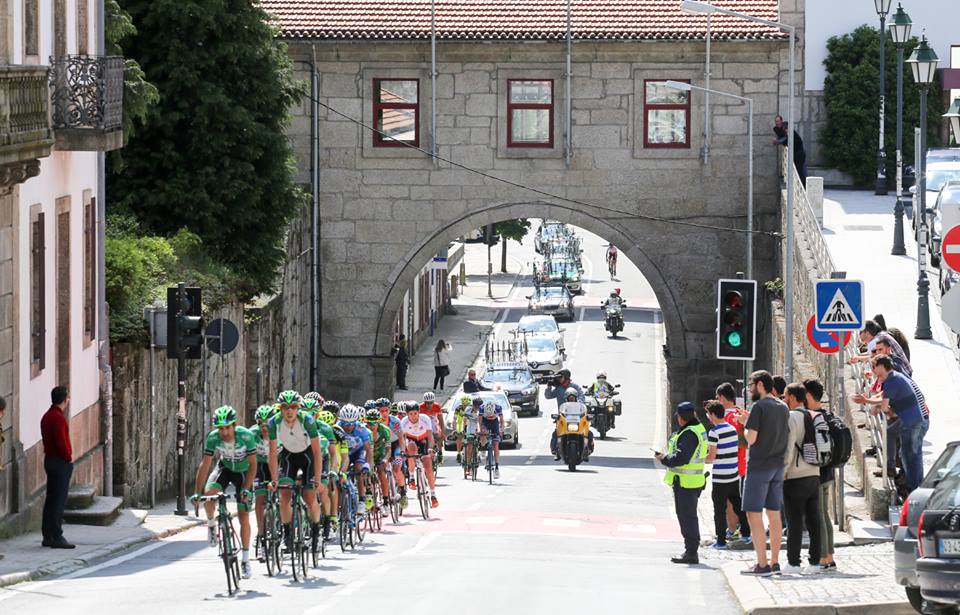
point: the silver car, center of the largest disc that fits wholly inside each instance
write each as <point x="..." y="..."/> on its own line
<point x="541" y="325"/>
<point x="554" y="300"/>
<point x="543" y="356"/>
<point x="511" y="432"/>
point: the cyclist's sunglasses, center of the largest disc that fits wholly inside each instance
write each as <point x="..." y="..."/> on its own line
<point x="294" y="405"/>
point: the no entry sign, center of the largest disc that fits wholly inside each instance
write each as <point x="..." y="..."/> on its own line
<point x="825" y="342"/>
<point x="950" y="248"/>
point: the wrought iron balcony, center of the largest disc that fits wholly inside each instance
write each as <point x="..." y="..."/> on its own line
<point x="87" y="97"/>
<point x="25" y="130"/>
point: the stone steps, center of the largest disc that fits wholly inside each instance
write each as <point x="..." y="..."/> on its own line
<point x="80" y="496"/>
<point x="102" y="511"/>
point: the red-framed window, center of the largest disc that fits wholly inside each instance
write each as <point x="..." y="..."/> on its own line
<point x="666" y="115"/>
<point x="396" y="112"/>
<point x="530" y="113"/>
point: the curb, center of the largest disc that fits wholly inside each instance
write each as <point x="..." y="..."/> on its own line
<point x="89" y="559"/>
<point x="754" y="600"/>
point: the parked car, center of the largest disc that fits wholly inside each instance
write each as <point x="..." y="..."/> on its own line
<point x="516" y="380"/>
<point x="949" y="195"/>
<point x="553" y="299"/>
<point x="543" y="325"/>
<point x="948" y="278"/>
<point x="905" y="548"/>
<point x="938" y="174"/>
<point x="511" y="431"/>
<point x="543" y="355"/>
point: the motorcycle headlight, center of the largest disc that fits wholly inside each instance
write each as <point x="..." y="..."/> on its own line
<point x="573" y="426"/>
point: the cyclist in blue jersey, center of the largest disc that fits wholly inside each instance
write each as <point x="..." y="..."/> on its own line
<point x="359" y="446"/>
<point x="491" y="427"/>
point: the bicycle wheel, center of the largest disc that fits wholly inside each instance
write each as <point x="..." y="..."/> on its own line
<point x="423" y="495"/>
<point x="268" y="541"/>
<point x="295" y="550"/>
<point x="235" y="559"/>
<point x="304" y="545"/>
<point x="490" y="464"/>
<point x="394" y="502"/>
<point x="358" y="517"/>
<point x="376" y="513"/>
<point x="227" y="551"/>
<point x="343" y="528"/>
<point x="474" y="461"/>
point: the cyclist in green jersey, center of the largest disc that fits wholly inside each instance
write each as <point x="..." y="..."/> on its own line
<point x="262" y="439"/>
<point x="328" y="416"/>
<point x="315" y="408"/>
<point x="381" y="446"/>
<point x="302" y="452"/>
<point x="459" y="423"/>
<point x="237" y="466"/>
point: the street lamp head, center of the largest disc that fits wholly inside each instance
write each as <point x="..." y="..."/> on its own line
<point x="678" y="85"/>
<point x="694" y="6"/>
<point x="954" y="116"/>
<point x="923" y="63"/>
<point x="900" y="26"/>
<point x="883" y="7"/>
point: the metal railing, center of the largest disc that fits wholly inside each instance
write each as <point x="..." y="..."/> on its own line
<point x="876" y="425"/>
<point x="24" y="105"/>
<point x="87" y="92"/>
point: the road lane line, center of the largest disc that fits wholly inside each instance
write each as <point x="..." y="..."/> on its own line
<point x="561" y="522"/>
<point x="637" y="528"/>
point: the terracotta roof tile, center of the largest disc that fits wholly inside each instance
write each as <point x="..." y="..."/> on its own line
<point x="515" y="19"/>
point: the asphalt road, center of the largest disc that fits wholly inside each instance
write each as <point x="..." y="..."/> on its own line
<point x="540" y="540"/>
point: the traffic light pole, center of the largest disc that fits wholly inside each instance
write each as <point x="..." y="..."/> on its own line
<point x="181" y="406"/>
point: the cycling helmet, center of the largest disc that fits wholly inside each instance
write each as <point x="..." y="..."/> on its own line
<point x="490" y="409"/>
<point x="617" y="290"/>
<point x="327" y="417"/>
<point x="465" y="401"/>
<point x="289" y="398"/>
<point x="372" y="416"/>
<point x="429" y="397"/>
<point x="601" y="375"/>
<point x="312" y="406"/>
<point x="383" y="402"/>
<point x="224" y="416"/>
<point x="349" y="414"/>
<point x="369" y="404"/>
<point x="412" y="406"/>
<point x="331" y="406"/>
<point x="614" y="294"/>
<point x="571" y="392"/>
<point x="314" y="395"/>
<point x="477" y="400"/>
<point x="264" y="413"/>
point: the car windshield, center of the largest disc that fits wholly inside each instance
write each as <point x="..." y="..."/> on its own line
<point x="541" y="325"/>
<point x="948" y="460"/>
<point x="937" y="178"/>
<point x="947" y="493"/>
<point x="541" y="344"/>
<point x="507" y="375"/>
<point x="552" y="292"/>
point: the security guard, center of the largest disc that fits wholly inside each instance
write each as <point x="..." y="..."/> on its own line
<point x="685" y="457"/>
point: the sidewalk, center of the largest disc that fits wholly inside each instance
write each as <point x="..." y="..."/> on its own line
<point x="467" y="330"/>
<point x="24" y="559"/>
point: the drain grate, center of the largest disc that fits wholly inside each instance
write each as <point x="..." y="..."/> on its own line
<point x="862" y="227"/>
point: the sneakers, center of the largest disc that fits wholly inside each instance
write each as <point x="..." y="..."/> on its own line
<point x="686" y="558"/>
<point x="775" y="568"/>
<point x="403" y="501"/>
<point x="496" y="473"/>
<point x="556" y="456"/>
<point x="434" y="502"/>
<point x="791" y="569"/>
<point x="827" y="568"/>
<point x="212" y="539"/>
<point x="757" y="571"/>
<point x="245" y="571"/>
<point x="368" y="503"/>
<point x="719" y="545"/>
<point x="733" y="535"/>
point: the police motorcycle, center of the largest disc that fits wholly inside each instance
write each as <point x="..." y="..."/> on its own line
<point x="613" y="313"/>
<point x="573" y="431"/>
<point x="602" y="408"/>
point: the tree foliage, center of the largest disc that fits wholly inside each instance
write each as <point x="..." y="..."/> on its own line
<point x="850" y="93"/>
<point x="212" y="156"/>
<point x="510" y="229"/>
<point x="138" y="93"/>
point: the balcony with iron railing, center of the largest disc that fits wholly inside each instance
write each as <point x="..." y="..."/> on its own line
<point x="25" y="129"/>
<point x="87" y="102"/>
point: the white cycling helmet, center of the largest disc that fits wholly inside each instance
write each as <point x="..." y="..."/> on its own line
<point x="489" y="409"/>
<point x="601" y="375"/>
<point x="349" y="414"/>
<point x="429" y="397"/>
<point x="571" y="392"/>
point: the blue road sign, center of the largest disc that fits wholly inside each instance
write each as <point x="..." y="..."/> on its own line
<point x="839" y="305"/>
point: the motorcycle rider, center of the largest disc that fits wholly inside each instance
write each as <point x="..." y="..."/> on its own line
<point x="557" y="389"/>
<point x="601" y="386"/>
<point x="614" y="301"/>
<point x="572" y="406"/>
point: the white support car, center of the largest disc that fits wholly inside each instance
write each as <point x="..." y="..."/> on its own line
<point x="511" y="431"/>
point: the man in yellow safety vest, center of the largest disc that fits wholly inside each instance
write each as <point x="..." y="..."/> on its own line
<point x="685" y="464"/>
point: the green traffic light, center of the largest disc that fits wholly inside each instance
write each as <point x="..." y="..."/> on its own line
<point x="734" y="339"/>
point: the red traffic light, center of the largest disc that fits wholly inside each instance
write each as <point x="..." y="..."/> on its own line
<point x="733" y="300"/>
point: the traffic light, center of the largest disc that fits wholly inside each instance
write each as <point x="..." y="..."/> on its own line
<point x="736" y="319"/>
<point x="489" y="237"/>
<point x="184" y="322"/>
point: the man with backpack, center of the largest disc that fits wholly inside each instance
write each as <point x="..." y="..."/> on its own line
<point x="807" y="449"/>
<point x="841" y="441"/>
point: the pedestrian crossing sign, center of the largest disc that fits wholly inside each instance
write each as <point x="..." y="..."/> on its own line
<point x="839" y="305"/>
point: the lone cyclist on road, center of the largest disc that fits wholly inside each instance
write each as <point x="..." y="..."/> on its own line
<point x="612" y="259"/>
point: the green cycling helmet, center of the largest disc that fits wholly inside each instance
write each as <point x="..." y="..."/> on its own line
<point x="289" y="398"/>
<point x="264" y="413"/>
<point x="312" y="406"/>
<point x="224" y="416"/>
<point x="372" y="417"/>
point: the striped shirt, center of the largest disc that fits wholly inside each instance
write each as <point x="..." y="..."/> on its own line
<point x="724" y="437"/>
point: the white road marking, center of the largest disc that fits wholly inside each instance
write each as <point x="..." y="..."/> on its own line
<point x="637" y="528"/>
<point x="561" y="522"/>
<point x="485" y="520"/>
<point x="475" y="506"/>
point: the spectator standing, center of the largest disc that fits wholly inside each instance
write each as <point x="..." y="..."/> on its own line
<point x="814" y="390"/>
<point x="871" y="335"/>
<point x="401" y="360"/>
<point x="898" y="397"/>
<point x="725" y="483"/>
<point x="684" y="460"/>
<point x="801" y="484"/>
<point x="766" y="431"/>
<point x="727" y="396"/>
<point x="441" y="364"/>
<point x="895" y="333"/>
<point x="779" y="387"/>
<point x="780" y="128"/>
<point x="472" y="384"/>
<point x="58" y="464"/>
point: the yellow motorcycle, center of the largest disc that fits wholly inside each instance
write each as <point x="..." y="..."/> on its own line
<point x="573" y="428"/>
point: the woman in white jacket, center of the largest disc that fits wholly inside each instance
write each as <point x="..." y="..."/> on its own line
<point x="441" y="364"/>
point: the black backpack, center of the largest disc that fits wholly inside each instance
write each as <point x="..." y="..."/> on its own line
<point x="840" y="438"/>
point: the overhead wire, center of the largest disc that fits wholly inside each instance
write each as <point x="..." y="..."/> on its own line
<point x="540" y="192"/>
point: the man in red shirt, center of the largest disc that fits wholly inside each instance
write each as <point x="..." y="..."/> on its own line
<point x="58" y="464"/>
<point x="727" y="396"/>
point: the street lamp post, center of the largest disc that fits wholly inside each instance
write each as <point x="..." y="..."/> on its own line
<point x="704" y="7"/>
<point x="900" y="30"/>
<point x="883" y="7"/>
<point x="680" y="85"/>
<point x="953" y="115"/>
<point x="923" y="62"/>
